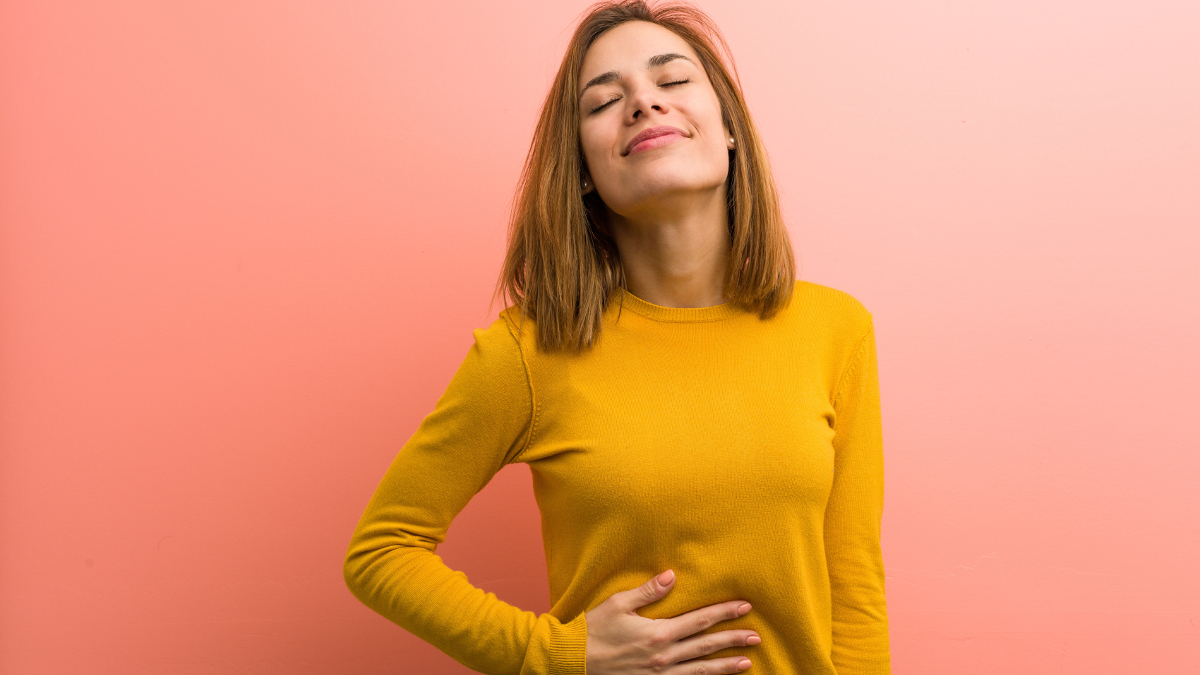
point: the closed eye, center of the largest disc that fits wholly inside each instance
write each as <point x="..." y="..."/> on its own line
<point x="604" y="105"/>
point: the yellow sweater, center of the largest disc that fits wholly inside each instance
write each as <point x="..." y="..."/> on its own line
<point x="744" y="454"/>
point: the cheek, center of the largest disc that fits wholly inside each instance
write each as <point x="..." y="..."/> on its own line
<point x="597" y="143"/>
<point x="705" y="110"/>
<point x="715" y="118"/>
<point x="589" y="140"/>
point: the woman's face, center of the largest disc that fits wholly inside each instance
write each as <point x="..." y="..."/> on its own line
<point x="640" y="76"/>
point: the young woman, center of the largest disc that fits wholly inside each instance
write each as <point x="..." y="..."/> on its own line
<point x="703" y="430"/>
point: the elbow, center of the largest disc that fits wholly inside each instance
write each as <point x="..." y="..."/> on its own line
<point x="352" y="573"/>
<point x="375" y="561"/>
<point x="356" y="567"/>
<point x="367" y="566"/>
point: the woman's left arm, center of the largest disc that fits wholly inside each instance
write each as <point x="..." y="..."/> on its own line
<point x="852" y="519"/>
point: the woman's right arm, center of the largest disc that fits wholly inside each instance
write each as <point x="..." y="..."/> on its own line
<point x="480" y="423"/>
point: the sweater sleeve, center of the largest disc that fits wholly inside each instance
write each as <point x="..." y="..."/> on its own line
<point x="480" y="423"/>
<point x="853" y="518"/>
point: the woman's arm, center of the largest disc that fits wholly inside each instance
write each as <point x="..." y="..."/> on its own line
<point x="481" y="423"/>
<point x="852" y="520"/>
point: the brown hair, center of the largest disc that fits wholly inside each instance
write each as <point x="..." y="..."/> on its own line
<point x="562" y="266"/>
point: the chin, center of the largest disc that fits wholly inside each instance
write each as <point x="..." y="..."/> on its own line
<point x="654" y="192"/>
<point x="681" y="172"/>
<point x="672" y="183"/>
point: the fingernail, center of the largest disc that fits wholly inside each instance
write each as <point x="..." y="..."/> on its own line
<point x="666" y="577"/>
<point x="743" y="664"/>
<point x="753" y="640"/>
<point x="743" y="608"/>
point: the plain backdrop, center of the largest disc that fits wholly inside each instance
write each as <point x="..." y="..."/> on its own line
<point x="243" y="246"/>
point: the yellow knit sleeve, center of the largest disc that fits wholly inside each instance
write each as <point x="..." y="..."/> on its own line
<point x="480" y="423"/>
<point x="853" y="517"/>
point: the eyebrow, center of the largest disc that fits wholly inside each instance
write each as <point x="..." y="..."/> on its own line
<point x="654" y="62"/>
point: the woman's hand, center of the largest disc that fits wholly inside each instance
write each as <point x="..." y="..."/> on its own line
<point x="622" y="642"/>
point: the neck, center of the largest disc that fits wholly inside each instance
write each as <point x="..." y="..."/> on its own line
<point x="675" y="253"/>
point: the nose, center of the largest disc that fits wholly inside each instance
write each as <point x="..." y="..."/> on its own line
<point x="643" y="98"/>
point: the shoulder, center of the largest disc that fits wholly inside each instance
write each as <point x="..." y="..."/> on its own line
<point x="836" y="311"/>
<point x="495" y="353"/>
<point x="838" y="327"/>
<point x="518" y="331"/>
<point x="501" y="332"/>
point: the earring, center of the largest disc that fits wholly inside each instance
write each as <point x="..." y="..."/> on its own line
<point x="731" y="140"/>
<point x="585" y="184"/>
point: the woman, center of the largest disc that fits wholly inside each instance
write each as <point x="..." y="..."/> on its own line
<point x="702" y="429"/>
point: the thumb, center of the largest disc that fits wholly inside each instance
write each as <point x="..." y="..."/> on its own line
<point x="651" y="590"/>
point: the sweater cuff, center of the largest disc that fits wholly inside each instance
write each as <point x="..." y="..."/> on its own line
<point x="568" y="647"/>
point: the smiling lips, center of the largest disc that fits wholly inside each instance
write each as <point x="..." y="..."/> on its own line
<point x="653" y="138"/>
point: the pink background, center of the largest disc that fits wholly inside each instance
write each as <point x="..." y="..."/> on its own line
<point x="244" y="244"/>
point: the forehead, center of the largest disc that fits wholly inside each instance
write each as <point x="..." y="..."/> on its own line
<point x="629" y="45"/>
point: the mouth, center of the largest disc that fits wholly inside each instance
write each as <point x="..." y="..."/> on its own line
<point x="653" y="138"/>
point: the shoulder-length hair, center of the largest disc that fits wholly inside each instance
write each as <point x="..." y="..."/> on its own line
<point x="562" y="265"/>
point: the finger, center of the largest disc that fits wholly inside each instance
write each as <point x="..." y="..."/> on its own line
<point x="648" y="592"/>
<point x="709" y="643"/>
<point x="697" y="620"/>
<point x="724" y="666"/>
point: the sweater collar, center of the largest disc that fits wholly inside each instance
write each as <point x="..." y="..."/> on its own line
<point x="625" y="300"/>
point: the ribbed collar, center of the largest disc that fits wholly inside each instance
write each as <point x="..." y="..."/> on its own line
<point x="631" y="302"/>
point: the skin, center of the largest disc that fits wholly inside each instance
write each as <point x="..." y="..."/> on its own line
<point x="667" y="210"/>
<point x="667" y="204"/>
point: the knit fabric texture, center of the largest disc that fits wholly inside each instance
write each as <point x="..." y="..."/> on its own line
<point x="744" y="454"/>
